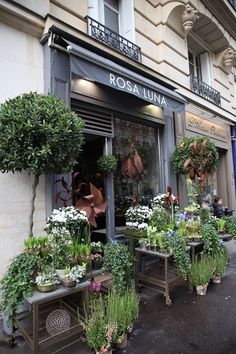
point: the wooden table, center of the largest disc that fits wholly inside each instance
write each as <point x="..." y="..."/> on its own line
<point x="197" y="246"/>
<point x="159" y="277"/>
<point x="32" y="324"/>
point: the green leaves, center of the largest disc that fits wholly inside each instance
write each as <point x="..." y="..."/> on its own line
<point x="18" y="281"/>
<point x="40" y="134"/>
<point x="117" y="260"/>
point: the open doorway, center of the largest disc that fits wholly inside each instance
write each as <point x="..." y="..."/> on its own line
<point x="86" y="171"/>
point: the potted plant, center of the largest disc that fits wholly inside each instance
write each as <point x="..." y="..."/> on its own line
<point x="220" y="264"/>
<point x="73" y="275"/>
<point x="99" y="331"/>
<point x="221" y="224"/>
<point x="46" y="280"/>
<point x="200" y="274"/>
<point x="67" y="279"/>
<point x="45" y="134"/>
<point x="107" y="163"/>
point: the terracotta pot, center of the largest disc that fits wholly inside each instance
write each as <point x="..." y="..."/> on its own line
<point x="216" y="280"/>
<point x="201" y="289"/>
<point x="108" y="352"/>
<point x="46" y="288"/>
<point x="123" y="343"/>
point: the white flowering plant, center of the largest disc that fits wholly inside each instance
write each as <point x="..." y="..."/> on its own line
<point x="77" y="272"/>
<point x="71" y="219"/>
<point x="47" y="277"/>
<point x="137" y="217"/>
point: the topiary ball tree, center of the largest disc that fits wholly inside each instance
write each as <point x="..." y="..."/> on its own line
<point x="39" y="134"/>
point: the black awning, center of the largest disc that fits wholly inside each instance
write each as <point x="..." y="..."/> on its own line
<point x="89" y="65"/>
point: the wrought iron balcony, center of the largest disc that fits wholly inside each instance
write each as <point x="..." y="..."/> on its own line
<point x="113" y="39"/>
<point x="204" y="90"/>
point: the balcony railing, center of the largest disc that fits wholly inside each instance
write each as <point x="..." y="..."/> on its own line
<point x="113" y="39"/>
<point x="204" y="90"/>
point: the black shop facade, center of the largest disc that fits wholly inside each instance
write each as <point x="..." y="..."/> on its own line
<point x="126" y="114"/>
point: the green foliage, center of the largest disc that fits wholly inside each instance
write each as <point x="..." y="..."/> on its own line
<point x="118" y="260"/>
<point x="212" y="244"/>
<point x="181" y="257"/>
<point x="97" y="327"/>
<point x="122" y="311"/>
<point x="40" y="134"/>
<point x="221" y="223"/>
<point x="231" y="225"/>
<point x="204" y="215"/>
<point x="220" y="263"/>
<point x="183" y="152"/>
<point x="159" y="218"/>
<point x="18" y="281"/>
<point x="107" y="163"/>
<point x="201" y="271"/>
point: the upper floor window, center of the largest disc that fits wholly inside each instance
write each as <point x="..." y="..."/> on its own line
<point x="117" y="15"/>
<point x="111" y="14"/>
<point x="199" y="61"/>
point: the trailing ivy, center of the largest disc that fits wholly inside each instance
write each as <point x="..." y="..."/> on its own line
<point x="18" y="282"/>
<point x="118" y="260"/>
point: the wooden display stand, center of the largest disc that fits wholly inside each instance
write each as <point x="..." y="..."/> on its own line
<point x="160" y="276"/>
<point x="32" y="324"/>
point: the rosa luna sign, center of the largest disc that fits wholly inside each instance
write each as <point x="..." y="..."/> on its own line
<point x="129" y="82"/>
<point x="136" y="89"/>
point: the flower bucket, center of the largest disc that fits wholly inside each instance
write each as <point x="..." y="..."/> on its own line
<point x="46" y="288"/>
<point x="69" y="283"/>
<point x="216" y="280"/>
<point x="123" y="343"/>
<point x="201" y="289"/>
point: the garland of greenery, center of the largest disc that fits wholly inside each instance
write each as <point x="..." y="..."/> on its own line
<point x="107" y="163"/>
<point x="195" y="155"/>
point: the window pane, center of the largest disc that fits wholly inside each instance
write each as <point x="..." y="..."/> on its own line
<point x="111" y="19"/>
<point x="113" y="3"/>
<point x="130" y="139"/>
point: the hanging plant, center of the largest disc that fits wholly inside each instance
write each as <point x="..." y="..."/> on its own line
<point x="196" y="157"/>
<point x="107" y="163"/>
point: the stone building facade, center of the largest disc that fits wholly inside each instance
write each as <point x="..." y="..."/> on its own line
<point x="141" y="73"/>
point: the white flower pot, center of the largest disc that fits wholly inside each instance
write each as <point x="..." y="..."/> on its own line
<point x="216" y="280"/>
<point x="201" y="289"/>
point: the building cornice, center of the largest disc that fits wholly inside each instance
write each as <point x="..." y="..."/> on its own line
<point x="224" y="13"/>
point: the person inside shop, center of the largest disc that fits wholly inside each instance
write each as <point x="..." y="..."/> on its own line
<point x="218" y="208"/>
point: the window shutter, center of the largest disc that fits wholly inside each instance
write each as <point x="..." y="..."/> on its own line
<point x="97" y="120"/>
<point x="206" y="68"/>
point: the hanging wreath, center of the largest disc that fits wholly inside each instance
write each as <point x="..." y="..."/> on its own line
<point x="196" y="157"/>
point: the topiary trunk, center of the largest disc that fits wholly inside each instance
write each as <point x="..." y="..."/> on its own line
<point x="32" y="205"/>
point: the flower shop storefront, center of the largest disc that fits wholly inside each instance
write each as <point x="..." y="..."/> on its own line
<point x="126" y="115"/>
<point x="202" y="123"/>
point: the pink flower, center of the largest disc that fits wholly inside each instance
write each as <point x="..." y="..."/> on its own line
<point x="95" y="286"/>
